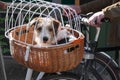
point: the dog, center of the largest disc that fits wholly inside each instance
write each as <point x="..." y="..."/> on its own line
<point x="48" y="31"/>
<point x="45" y="31"/>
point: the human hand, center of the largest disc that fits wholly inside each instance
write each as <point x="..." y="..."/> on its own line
<point x="95" y="19"/>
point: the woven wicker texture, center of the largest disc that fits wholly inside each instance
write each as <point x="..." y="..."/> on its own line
<point x="51" y="59"/>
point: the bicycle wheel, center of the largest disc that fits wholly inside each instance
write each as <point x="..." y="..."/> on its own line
<point x="90" y="74"/>
<point x="62" y="76"/>
<point x="106" y="66"/>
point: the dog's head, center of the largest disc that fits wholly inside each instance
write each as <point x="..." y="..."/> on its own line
<point x="45" y="29"/>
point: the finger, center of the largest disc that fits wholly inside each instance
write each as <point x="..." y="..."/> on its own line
<point x="99" y="20"/>
<point x="92" y="21"/>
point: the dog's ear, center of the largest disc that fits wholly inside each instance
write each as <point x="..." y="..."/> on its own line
<point x="56" y="25"/>
<point x="33" y="22"/>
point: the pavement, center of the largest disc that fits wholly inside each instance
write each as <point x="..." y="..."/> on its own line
<point x="15" y="71"/>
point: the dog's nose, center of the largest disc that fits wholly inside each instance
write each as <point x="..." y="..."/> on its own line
<point x="45" y="39"/>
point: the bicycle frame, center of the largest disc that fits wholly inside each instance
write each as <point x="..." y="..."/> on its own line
<point x="87" y="55"/>
<point x="89" y="51"/>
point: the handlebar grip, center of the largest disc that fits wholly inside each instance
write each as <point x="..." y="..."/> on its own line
<point x="84" y="21"/>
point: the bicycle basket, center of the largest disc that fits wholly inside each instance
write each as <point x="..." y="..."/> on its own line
<point x="22" y="33"/>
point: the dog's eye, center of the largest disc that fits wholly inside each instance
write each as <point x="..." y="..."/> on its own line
<point x="39" y="29"/>
<point x="50" y="29"/>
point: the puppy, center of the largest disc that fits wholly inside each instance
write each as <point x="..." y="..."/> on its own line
<point x="45" y="30"/>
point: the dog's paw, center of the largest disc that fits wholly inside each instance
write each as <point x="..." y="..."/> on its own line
<point x="71" y="38"/>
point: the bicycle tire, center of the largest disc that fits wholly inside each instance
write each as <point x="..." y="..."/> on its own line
<point x="101" y="61"/>
<point x="91" y="74"/>
<point x="70" y="76"/>
<point x="110" y="68"/>
<point x="62" y="76"/>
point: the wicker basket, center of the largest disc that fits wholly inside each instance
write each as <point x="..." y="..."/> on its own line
<point x="51" y="59"/>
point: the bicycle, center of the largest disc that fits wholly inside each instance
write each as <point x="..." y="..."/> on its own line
<point x="95" y="65"/>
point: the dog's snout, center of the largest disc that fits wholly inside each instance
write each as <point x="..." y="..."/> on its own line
<point x="45" y="39"/>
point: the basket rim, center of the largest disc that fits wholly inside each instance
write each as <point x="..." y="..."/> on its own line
<point x="7" y="34"/>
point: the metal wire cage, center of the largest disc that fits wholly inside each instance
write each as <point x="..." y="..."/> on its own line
<point x="53" y="58"/>
<point x="22" y="12"/>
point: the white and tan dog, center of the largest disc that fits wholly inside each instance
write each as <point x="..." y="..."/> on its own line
<point x="48" y="31"/>
<point x="45" y="30"/>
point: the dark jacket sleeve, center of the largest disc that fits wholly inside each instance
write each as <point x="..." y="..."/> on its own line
<point x="113" y="11"/>
<point x="95" y="5"/>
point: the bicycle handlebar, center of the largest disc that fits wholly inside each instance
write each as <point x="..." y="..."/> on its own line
<point x="84" y="20"/>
